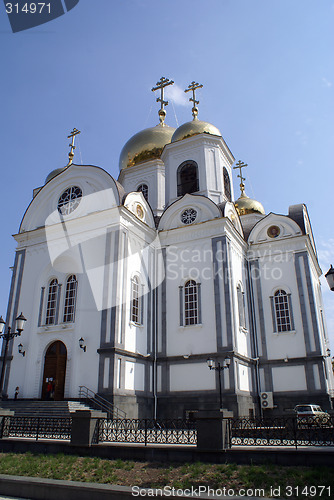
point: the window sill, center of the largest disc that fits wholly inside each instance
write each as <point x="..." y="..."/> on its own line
<point x="60" y="326"/>
<point x="184" y="327"/>
<point x="133" y="324"/>
<point x="289" y="332"/>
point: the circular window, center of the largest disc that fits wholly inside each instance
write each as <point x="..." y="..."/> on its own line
<point x="273" y="231"/>
<point x="188" y="216"/>
<point x="69" y="200"/>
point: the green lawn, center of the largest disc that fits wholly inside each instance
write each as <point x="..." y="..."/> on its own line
<point x="157" y="475"/>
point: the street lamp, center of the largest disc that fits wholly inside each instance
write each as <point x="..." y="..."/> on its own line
<point x="219" y="368"/>
<point x="330" y="278"/>
<point x="7" y="336"/>
<point x="82" y="344"/>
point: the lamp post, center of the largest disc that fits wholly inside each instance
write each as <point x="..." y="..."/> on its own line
<point x="330" y="278"/>
<point x="7" y="336"/>
<point x="219" y="368"/>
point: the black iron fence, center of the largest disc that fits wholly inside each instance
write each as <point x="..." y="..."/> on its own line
<point x="36" y="427"/>
<point x="276" y="431"/>
<point x="146" y="431"/>
<point x="282" y="431"/>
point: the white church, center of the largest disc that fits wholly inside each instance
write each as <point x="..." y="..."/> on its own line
<point x="130" y="286"/>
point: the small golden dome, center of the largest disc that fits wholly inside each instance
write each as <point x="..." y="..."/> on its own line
<point x="246" y="206"/>
<point x="193" y="128"/>
<point x="145" y="145"/>
<point x="54" y="173"/>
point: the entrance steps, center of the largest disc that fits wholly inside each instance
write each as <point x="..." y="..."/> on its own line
<point x="34" y="408"/>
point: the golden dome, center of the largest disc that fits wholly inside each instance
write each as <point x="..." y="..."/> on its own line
<point x="246" y="206"/>
<point x="193" y="128"/>
<point x="54" y="173"/>
<point x="145" y="145"/>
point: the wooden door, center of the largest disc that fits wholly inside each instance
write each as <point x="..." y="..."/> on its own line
<point x="54" y="372"/>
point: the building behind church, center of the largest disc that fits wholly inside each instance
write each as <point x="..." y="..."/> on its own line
<point x="159" y="271"/>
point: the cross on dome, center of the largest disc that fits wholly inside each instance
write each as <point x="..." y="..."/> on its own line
<point x="240" y="165"/>
<point x="192" y="87"/>
<point x="72" y="135"/>
<point x="161" y="84"/>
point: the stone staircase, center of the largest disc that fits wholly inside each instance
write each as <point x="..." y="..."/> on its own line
<point x="35" y="408"/>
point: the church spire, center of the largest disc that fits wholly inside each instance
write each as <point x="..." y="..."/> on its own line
<point x="192" y="87"/>
<point x="160" y="85"/>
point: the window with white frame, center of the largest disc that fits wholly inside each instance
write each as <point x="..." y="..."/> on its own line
<point x="51" y="306"/>
<point x="191" y="310"/>
<point x="241" y="307"/>
<point x="70" y="299"/>
<point x="282" y="311"/>
<point x="136" y="303"/>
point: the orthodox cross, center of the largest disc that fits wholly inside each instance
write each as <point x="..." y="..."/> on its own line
<point x="161" y="84"/>
<point x="72" y="135"/>
<point x="192" y="87"/>
<point x="240" y="165"/>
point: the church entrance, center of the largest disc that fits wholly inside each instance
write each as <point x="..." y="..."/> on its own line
<point x="54" y="372"/>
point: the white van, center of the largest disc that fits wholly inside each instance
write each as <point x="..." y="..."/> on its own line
<point x="311" y="415"/>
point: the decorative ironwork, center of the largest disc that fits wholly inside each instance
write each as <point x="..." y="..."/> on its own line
<point x="277" y="431"/>
<point x="282" y="431"/>
<point x="146" y="431"/>
<point x="37" y="427"/>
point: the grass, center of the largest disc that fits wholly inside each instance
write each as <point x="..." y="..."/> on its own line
<point x="156" y="475"/>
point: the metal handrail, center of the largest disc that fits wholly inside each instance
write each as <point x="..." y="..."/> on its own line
<point x="102" y="403"/>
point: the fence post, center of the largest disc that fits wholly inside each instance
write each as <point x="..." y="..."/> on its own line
<point x="213" y="430"/>
<point x="145" y="431"/>
<point x="84" y="423"/>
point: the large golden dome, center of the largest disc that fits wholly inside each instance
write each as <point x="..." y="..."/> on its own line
<point x="145" y="145"/>
<point x="193" y="128"/>
<point x="246" y="206"/>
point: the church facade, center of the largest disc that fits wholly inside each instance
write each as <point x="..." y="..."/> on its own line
<point x="131" y="285"/>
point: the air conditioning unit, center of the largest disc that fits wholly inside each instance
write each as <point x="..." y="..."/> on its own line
<point x="266" y="400"/>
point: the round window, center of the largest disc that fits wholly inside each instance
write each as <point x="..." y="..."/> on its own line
<point x="69" y="200"/>
<point x="188" y="216"/>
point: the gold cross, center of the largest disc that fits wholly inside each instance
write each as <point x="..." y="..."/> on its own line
<point x="74" y="132"/>
<point x="192" y="87"/>
<point x="240" y="165"/>
<point x="161" y="84"/>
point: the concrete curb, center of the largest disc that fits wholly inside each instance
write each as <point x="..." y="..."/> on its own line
<point x="35" y="488"/>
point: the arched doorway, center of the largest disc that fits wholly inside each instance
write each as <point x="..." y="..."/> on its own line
<point x="54" y="372"/>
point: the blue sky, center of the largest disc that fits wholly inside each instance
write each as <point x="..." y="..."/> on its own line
<point x="268" y="74"/>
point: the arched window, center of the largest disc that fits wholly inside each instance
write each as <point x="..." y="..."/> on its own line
<point x="143" y="188"/>
<point x="283" y="321"/>
<point x="51" y="306"/>
<point x="227" y="185"/>
<point x="70" y="299"/>
<point x="241" y="307"/>
<point x="136" y="303"/>
<point x="187" y="178"/>
<point x="191" y="303"/>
